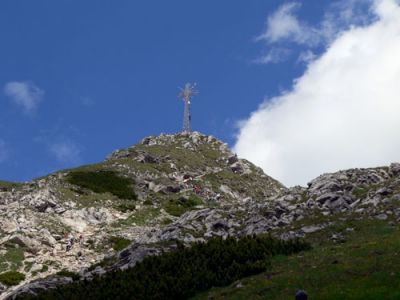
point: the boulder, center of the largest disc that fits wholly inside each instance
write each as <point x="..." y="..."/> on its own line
<point x="24" y="241"/>
<point x="232" y="159"/>
<point x="2" y="288"/>
<point x="47" y="238"/>
<point x="311" y="228"/>
<point x="384" y="191"/>
<point x="382" y="217"/>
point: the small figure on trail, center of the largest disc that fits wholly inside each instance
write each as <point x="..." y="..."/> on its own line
<point x="71" y="239"/>
<point x="79" y="257"/>
<point x="197" y="189"/>
<point x="69" y="246"/>
<point x="81" y="239"/>
<point x="301" y="295"/>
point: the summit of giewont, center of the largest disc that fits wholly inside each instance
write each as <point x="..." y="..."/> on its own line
<point x="72" y="219"/>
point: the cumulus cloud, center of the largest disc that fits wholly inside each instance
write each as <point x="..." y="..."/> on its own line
<point x="284" y="28"/>
<point x="66" y="151"/>
<point x="25" y="94"/>
<point x="306" y="57"/>
<point x="283" y="24"/>
<point x="343" y="112"/>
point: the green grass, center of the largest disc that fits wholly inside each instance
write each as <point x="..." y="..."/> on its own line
<point x="45" y="268"/>
<point x="118" y="243"/>
<point x="28" y="265"/>
<point x="8" y="185"/>
<point x="177" y="207"/>
<point x="363" y="265"/>
<point x="103" y="182"/>
<point x="360" y="192"/>
<point x="140" y="217"/>
<point x="14" y="257"/>
<point x="11" y="278"/>
<point x="199" y="159"/>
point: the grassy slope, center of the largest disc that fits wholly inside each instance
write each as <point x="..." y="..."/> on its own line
<point x="363" y="265"/>
<point x="8" y="185"/>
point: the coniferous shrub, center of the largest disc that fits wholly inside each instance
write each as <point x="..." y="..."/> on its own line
<point x="183" y="273"/>
<point x="103" y="182"/>
<point x="11" y="278"/>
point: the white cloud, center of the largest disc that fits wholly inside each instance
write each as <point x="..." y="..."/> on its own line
<point x="275" y="55"/>
<point x="306" y="57"/>
<point x="343" y="112"/>
<point x="3" y="151"/>
<point x="66" y="151"/>
<point x="25" y="94"/>
<point x="283" y="27"/>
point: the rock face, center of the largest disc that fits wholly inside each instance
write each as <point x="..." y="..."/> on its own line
<point x="35" y="287"/>
<point x="189" y="188"/>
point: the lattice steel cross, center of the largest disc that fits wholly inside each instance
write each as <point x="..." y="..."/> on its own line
<point x="186" y="95"/>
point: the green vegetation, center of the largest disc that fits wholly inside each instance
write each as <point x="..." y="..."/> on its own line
<point x="148" y="202"/>
<point x="106" y="262"/>
<point x="360" y="192"/>
<point x="140" y="217"/>
<point x="118" y="243"/>
<point x="13" y="258"/>
<point x="361" y="264"/>
<point x="180" y="274"/>
<point x="103" y="182"/>
<point x="177" y="207"/>
<point x="242" y="183"/>
<point x="11" y="278"/>
<point x="126" y="205"/>
<point x="28" y="265"/>
<point x="45" y="268"/>
<point x="199" y="159"/>
<point x="66" y="273"/>
<point x="8" y="185"/>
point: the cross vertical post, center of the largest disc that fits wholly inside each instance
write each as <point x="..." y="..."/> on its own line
<point x="186" y="95"/>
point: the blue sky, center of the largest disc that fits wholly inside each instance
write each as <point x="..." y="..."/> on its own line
<point x="109" y="74"/>
<point x="80" y="79"/>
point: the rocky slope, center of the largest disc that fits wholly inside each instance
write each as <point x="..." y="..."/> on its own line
<point x="189" y="188"/>
<point x="169" y="174"/>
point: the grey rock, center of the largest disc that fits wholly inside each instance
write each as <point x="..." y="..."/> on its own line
<point x="2" y="288"/>
<point x="394" y="169"/>
<point x="36" y="287"/>
<point x="384" y="191"/>
<point x="328" y="197"/>
<point x="382" y="217"/>
<point x="396" y="197"/>
<point x="311" y="228"/>
<point x="220" y="225"/>
<point x="232" y="159"/>
<point x="136" y="253"/>
<point x="59" y="210"/>
<point x="236" y="167"/>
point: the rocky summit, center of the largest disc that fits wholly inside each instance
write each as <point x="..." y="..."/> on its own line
<point x="79" y="223"/>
